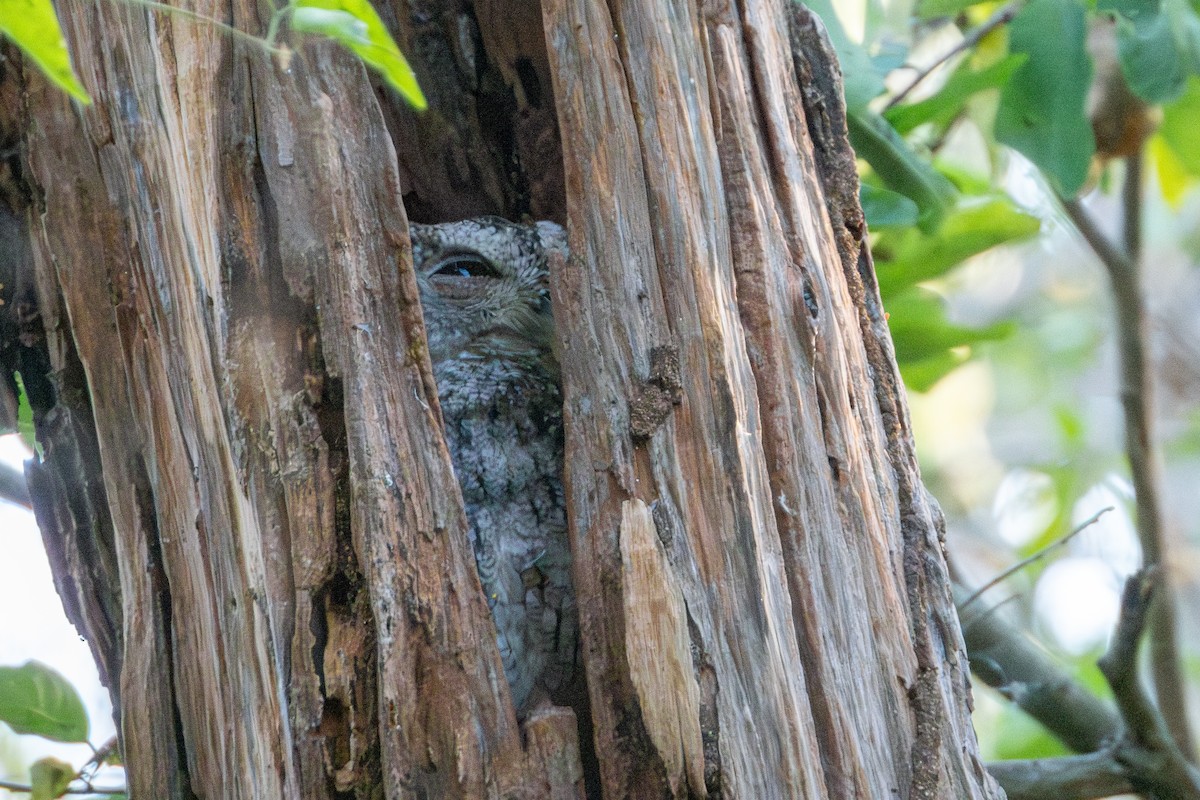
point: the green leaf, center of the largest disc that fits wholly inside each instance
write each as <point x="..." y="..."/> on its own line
<point x="36" y="699"/>
<point x="25" y="425"/>
<point x="862" y="81"/>
<point x="925" y="339"/>
<point x="1173" y="178"/>
<point x="886" y="209"/>
<point x="966" y="181"/>
<point x="1155" y="42"/>
<point x="1150" y="60"/>
<point x="50" y="778"/>
<point x="943" y="107"/>
<point x="340" y="25"/>
<point x="1158" y="44"/>
<point x="1186" y="26"/>
<point x="968" y="231"/>
<point x="892" y="55"/>
<point x="929" y="9"/>
<point x="1041" y="113"/>
<point x="1179" y="129"/>
<point x="1025" y="738"/>
<point x="922" y="375"/>
<point x="1070" y="424"/>
<point x="32" y="25"/>
<point x="356" y="25"/>
<point x="917" y="319"/>
<point x="899" y="166"/>
<point x="1130" y="9"/>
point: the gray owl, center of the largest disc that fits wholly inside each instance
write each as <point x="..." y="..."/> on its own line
<point x="484" y="293"/>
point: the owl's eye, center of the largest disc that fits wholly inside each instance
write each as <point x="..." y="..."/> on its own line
<point x="465" y="266"/>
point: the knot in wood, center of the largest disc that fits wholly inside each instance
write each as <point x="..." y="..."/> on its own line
<point x="657" y="395"/>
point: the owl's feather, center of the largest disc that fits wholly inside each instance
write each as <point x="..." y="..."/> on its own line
<point x="483" y="285"/>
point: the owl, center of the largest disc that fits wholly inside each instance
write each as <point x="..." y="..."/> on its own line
<point x="484" y="293"/>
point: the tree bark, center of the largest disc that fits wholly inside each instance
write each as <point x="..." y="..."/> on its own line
<point x="250" y="510"/>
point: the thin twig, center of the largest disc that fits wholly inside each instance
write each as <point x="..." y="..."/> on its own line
<point x="99" y="754"/>
<point x="1004" y="15"/>
<point x="989" y="611"/>
<point x="1164" y="658"/>
<point x="1009" y="660"/>
<point x="1020" y="565"/>
<point x="1131" y="208"/>
<point x="1119" y="664"/>
<point x="105" y="750"/>
<point x="25" y="788"/>
<point x="197" y="17"/>
<point x="1133" y="753"/>
<point x="1123" y="272"/>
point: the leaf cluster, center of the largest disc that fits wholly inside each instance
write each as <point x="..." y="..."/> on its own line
<point x="36" y="700"/>
<point x="354" y="24"/>
<point x="1068" y="84"/>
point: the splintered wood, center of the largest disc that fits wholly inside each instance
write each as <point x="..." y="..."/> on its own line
<point x="660" y="652"/>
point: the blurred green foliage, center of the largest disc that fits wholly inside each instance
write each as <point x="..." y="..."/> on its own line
<point x="36" y="700"/>
<point x="1024" y="86"/>
<point x="1072" y="86"/>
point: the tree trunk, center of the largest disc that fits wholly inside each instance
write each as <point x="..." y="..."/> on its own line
<point x="250" y="509"/>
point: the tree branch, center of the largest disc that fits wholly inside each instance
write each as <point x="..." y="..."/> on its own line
<point x="1067" y="778"/>
<point x="14" y="786"/>
<point x="1150" y="754"/>
<point x="1123" y="272"/>
<point x="1134" y="753"/>
<point x="1131" y="208"/>
<point x="1010" y="661"/>
<point x="13" y="487"/>
<point x="1004" y="15"/>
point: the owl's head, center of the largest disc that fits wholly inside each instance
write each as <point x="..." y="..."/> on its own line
<point x="484" y="287"/>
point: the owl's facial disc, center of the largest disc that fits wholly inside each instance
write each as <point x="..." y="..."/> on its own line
<point x="484" y="289"/>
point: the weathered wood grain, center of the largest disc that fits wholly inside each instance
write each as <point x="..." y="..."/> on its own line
<point x="258" y="524"/>
<point x="791" y="513"/>
<point x="224" y="250"/>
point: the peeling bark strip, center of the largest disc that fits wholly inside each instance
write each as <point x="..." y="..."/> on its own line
<point x="660" y="653"/>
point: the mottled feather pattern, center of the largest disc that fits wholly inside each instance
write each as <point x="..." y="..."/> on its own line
<point x="485" y="298"/>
